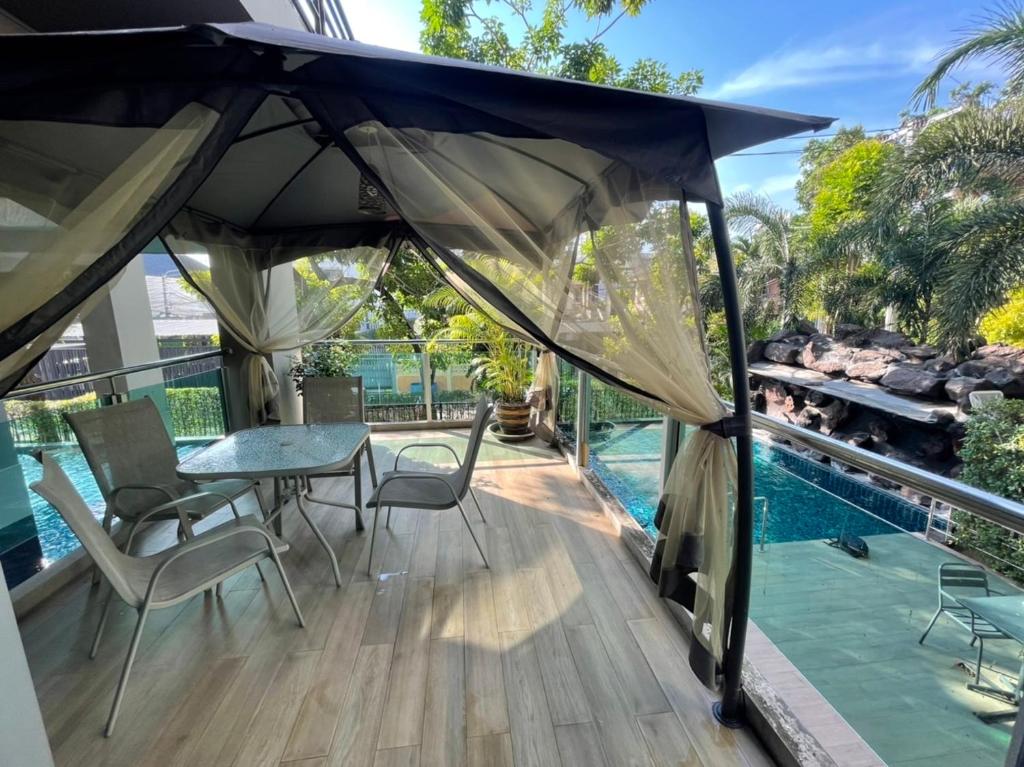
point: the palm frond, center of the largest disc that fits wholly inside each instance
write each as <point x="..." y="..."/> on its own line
<point x="999" y="37"/>
<point x="986" y="262"/>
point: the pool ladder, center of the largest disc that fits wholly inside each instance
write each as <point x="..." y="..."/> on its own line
<point x="764" y="518"/>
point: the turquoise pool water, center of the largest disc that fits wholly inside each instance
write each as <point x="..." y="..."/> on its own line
<point x="55" y="539"/>
<point x="806" y="500"/>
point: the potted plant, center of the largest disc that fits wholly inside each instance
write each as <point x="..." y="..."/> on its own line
<point x="323" y="361"/>
<point x="500" y="365"/>
<point x="503" y="370"/>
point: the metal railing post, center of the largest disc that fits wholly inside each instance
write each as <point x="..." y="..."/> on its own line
<point x="428" y="388"/>
<point x="582" y="419"/>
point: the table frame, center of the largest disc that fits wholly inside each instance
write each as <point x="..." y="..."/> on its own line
<point x="295" y="484"/>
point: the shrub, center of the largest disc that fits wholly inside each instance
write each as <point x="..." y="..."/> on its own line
<point x="993" y="455"/>
<point x="40" y="421"/>
<point x="196" y="411"/>
<point x="324" y="360"/>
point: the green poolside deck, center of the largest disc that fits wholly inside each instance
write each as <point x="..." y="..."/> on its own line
<point x="852" y="628"/>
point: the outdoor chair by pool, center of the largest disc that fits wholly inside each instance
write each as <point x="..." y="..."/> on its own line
<point x="434" y="491"/>
<point x="133" y="460"/>
<point x="338" y="399"/>
<point x="164" y="579"/>
<point x="960" y="580"/>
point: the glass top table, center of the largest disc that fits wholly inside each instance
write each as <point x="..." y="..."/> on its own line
<point x="277" y="451"/>
<point x="290" y="455"/>
<point x="1006" y="613"/>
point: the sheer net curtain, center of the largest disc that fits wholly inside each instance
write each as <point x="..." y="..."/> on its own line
<point x="275" y="292"/>
<point x="591" y="254"/>
<point x="64" y="202"/>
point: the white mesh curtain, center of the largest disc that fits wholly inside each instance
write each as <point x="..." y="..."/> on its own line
<point x="69" y="192"/>
<point x="544" y="397"/>
<point x="275" y="292"/>
<point x="592" y="255"/>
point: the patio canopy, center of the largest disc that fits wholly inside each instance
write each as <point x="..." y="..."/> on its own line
<point x="289" y="167"/>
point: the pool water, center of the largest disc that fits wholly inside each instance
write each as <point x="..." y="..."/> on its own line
<point x="55" y="538"/>
<point x="805" y="500"/>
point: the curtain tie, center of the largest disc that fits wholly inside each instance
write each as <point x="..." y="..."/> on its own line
<point x="729" y="426"/>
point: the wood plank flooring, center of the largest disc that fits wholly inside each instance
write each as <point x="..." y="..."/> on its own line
<point x="560" y="654"/>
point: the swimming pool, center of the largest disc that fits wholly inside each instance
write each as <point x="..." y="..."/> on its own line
<point x="805" y="500"/>
<point x="55" y="539"/>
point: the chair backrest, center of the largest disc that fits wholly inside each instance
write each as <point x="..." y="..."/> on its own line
<point x="464" y="475"/>
<point x="127" y="444"/>
<point x="60" y="493"/>
<point x="960" y="579"/>
<point x="333" y="399"/>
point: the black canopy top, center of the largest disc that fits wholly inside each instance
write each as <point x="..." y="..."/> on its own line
<point x="672" y="138"/>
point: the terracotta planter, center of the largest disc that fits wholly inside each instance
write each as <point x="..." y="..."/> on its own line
<point x="513" y="417"/>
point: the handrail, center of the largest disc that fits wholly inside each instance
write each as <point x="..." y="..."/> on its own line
<point x="981" y="503"/>
<point x="104" y="375"/>
<point x="397" y="341"/>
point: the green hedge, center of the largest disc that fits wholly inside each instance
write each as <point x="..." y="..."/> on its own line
<point x="606" y="403"/>
<point x="993" y="455"/>
<point x="196" y="411"/>
<point x="35" y="421"/>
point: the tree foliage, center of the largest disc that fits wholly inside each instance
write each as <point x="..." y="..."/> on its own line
<point x="532" y="39"/>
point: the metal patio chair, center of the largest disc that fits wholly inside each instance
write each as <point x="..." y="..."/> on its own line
<point x="164" y="579"/>
<point x="961" y="580"/>
<point x="339" y="399"/>
<point x="134" y="463"/>
<point x="434" y="491"/>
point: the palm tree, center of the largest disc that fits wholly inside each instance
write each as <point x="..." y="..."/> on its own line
<point x="968" y="170"/>
<point x="999" y="38"/>
<point x="770" y="251"/>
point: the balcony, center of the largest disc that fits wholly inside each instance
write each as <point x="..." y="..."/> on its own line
<point x="560" y="653"/>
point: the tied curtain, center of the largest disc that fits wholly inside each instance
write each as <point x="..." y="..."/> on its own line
<point x="276" y="292"/>
<point x="543" y="397"/>
<point x="69" y="193"/>
<point x="592" y="259"/>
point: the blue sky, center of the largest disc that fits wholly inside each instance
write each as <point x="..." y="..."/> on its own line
<point x="855" y="61"/>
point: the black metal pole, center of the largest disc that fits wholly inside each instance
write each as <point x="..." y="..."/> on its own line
<point x="730" y="710"/>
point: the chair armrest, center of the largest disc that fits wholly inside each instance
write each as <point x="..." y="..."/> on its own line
<point x="416" y="475"/>
<point x="176" y="503"/>
<point x="449" y="448"/>
<point x="183" y="549"/>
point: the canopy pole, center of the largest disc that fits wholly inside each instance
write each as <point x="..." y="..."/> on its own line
<point x="730" y="710"/>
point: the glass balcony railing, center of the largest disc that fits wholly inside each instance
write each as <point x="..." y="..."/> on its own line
<point x="849" y="627"/>
<point x="32" y="534"/>
<point x="403" y="383"/>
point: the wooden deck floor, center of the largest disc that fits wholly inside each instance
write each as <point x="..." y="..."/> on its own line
<point x="559" y="654"/>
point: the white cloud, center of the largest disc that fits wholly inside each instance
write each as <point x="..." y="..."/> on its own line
<point x="390" y="23"/>
<point x="829" y="63"/>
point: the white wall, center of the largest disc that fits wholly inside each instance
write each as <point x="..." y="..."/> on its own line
<point x="22" y="737"/>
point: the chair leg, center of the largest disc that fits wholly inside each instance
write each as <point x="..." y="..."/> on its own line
<point x="471" y="533"/>
<point x="373" y="539"/>
<point x="123" y="681"/>
<point x="369" y="461"/>
<point x="287" y="587"/>
<point x="974" y="639"/>
<point x="387" y="522"/>
<point x="479" y="508"/>
<point x="259" y="501"/>
<point x="103" y="622"/>
<point x="260" y="573"/>
<point x="930" y="624"/>
<point x="977" y="669"/>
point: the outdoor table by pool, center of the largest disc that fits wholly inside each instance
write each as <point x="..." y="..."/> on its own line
<point x="287" y="452"/>
<point x="1006" y="613"/>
